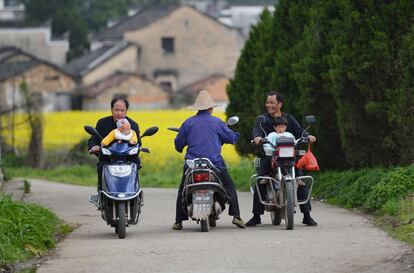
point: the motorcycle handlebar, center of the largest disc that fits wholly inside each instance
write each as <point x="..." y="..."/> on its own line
<point x="302" y="140"/>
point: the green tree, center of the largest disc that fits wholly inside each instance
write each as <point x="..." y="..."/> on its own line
<point x="251" y="79"/>
<point x="314" y="96"/>
<point x="290" y="19"/>
<point x="65" y="18"/>
<point x="39" y="11"/>
<point x="33" y="108"/>
<point x="366" y="79"/>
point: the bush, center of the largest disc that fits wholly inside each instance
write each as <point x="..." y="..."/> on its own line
<point x="393" y="186"/>
<point x="368" y="189"/>
<point x="25" y="230"/>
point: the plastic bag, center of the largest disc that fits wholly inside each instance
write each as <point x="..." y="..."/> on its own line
<point x="308" y="161"/>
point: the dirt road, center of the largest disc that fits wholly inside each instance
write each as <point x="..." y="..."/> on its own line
<point x="343" y="241"/>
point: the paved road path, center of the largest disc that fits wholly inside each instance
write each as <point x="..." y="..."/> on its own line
<point x="343" y="242"/>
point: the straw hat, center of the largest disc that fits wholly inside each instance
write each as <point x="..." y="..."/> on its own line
<point x="203" y="101"/>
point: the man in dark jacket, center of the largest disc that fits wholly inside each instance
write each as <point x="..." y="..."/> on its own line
<point x="274" y="104"/>
<point x="119" y="108"/>
<point x="204" y="135"/>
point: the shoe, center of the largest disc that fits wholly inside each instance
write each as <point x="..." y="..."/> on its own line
<point x="254" y="221"/>
<point x="307" y="220"/>
<point x="177" y="226"/>
<point x="94" y="199"/>
<point x="238" y="222"/>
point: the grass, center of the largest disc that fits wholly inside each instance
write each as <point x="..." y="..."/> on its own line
<point x="398" y="219"/>
<point x="388" y="194"/>
<point x="26" y="230"/>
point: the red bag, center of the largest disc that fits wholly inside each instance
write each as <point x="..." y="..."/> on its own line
<point x="308" y="161"/>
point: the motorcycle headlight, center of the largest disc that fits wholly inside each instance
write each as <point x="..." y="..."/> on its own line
<point x="134" y="151"/>
<point x="120" y="170"/>
<point x="106" y="151"/>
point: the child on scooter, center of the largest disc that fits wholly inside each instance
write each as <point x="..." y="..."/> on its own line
<point x="279" y="125"/>
<point x="122" y="132"/>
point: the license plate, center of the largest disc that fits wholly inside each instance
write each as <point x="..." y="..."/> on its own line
<point x="204" y="196"/>
<point x="286" y="152"/>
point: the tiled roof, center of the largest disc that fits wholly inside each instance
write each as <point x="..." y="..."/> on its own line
<point x="101" y="86"/>
<point x="8" y="70"/>
<point x="8" y="52"/>
<point x="80" y="66"/>
<point x="141" y="19"/>
<point x="217" y="81"/>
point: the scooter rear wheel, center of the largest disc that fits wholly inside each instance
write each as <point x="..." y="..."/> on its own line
<point x="205" y="225"/>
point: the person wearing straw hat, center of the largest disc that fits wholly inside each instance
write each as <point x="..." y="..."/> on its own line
<point x="204" y="135"/>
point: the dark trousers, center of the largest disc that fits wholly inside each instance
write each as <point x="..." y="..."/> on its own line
<point x="100" y="165"/>
<point x="181" y="213"/>
<point x="263" y="170"/>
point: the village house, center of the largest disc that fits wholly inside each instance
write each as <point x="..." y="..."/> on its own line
<point x="37" y="41"/>
<point x="54" y="86"/>
<point x="176" y="45"/>
<point x="141" y="93"/>
<point x="168" y="47"/>
<point x="11" y="12"/>
<point x="110" y="71"/>
<point x="103" y="62"/>
<point x="216" y="85"/>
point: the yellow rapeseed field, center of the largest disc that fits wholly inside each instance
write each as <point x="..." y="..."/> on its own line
<point x="65" y="129"/>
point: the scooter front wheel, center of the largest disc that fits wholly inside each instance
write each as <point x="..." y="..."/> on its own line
<point x="121" y="228"/>
<point x="289" y="206"/>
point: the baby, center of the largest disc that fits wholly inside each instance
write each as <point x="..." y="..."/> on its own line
<point x="280" y="125"/>
<point x="122" y="132"/>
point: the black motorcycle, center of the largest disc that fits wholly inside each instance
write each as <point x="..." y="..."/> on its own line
<point x="282" y="183"/>
<point x="203" y="193"/>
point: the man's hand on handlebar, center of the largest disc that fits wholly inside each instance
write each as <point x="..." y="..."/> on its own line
<point x="257" y="140"/>
<point x="95" y="149"/>
<point x="312" y="138"/>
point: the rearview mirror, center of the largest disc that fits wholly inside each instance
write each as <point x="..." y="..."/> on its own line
<point x="150" y="131"/>
<point x="260" y="119"/>
<point x="92" y="131"/>
<point x="232" y="120"/>
<point x="310" y="119"/>
<point x="174" y="129"/>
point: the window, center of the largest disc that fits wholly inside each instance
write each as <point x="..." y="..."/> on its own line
<point x="166" y="86"/>
<point x="51" y="78"/>
<point x="167" y="44"/>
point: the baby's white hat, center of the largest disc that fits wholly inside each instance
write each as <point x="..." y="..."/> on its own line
<point x="121" y="122"/>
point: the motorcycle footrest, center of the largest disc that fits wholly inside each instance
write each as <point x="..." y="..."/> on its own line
<point x="94" y="199"/>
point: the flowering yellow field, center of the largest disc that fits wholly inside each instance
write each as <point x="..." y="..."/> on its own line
<point x="64" y="129"/>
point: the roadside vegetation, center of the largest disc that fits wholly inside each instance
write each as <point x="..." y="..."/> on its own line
<point x="388" y="194"/>
<point x="26" y="231"/>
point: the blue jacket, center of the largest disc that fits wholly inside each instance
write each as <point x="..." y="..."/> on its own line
<point x="204" y="135"/>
